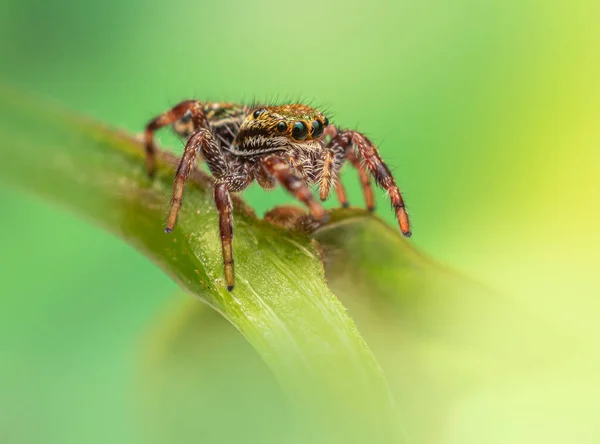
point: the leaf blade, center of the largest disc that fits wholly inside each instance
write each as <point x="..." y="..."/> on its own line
<point x="281" y="303"/>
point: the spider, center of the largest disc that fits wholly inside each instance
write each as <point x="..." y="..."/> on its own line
<point x="292" y="145"/>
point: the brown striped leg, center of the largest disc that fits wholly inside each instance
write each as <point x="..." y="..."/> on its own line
<point x="383" y="177"/>
<point x="201" y="140"/>
<point x="341" y="142"/>
<point x="223" y="202"/>
<point x="281" y="170"/>
<point x="167" y="118"/>
<point x="364" y="180"/>
<point x="341" y="194"/>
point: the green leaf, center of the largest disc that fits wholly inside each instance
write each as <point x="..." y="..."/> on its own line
<point x="439" y="336"/>
<point x="281" y="303"/>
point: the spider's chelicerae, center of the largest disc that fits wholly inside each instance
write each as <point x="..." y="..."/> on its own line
<point x="293" y="145"/>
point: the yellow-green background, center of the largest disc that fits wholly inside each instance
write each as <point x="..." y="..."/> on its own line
<point x="487" y="112"/>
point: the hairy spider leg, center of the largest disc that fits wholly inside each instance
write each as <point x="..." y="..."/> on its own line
<point x="341" y="194"/>
<point x="382" y="175"/>
<point x="203" y="141"/>
<point x="281" y="170"/>
<point x="332" y="159"/>
<point x="340" y="143"/>
<point x="165" y="119"/>
<point x="329" y="133"/>
<point x="223" y="202"/>
<point x="364" y="179"/>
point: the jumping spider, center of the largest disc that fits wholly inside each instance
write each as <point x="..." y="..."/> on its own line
<point x="293" y="145"/>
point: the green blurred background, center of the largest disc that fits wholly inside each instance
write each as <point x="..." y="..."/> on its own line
<point x="487" y="112"/>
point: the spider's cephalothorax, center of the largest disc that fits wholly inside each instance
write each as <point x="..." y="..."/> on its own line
<point x="293" y="145"/>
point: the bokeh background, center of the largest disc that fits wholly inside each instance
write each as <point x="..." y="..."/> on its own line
<point x="488" y="113"/>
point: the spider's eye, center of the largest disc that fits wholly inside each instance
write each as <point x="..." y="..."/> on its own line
<point x="300" y="131"/>
<point x="317" y="129"/>
<point x="258" y="112"/>
<point x="326" y="121"/>
<point x="281" y="127"/>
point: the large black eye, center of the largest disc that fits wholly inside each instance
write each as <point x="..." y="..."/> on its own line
<point x="258" y="112"/>
<point x="300" y="131"/>
<point x="317" y="129"/>
<point x="326" y="121"/>
<point x="281" y="127"/>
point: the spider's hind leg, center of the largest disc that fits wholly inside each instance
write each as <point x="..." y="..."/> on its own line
<point x="204" y="142"/>
<point x="167" y="118"/>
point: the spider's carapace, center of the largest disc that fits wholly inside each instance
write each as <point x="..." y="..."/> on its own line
<point x="292" y="145"/>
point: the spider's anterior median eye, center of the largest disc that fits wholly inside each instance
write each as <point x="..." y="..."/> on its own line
<point x="282" y="127"/>
<point x="300" y="131"/>
<point x="258" y="112"/>
<point x="317" y="129"/>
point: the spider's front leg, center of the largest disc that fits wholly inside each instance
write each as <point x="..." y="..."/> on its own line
<point x="165" y="119"/>
<point x="275" y="166"/>
<point x="336" y="151"/>
<point x="383" y="177"/>
<point x="378" y="169"/>
<point x="224" y="207"/>
<point x="203" y="141"/>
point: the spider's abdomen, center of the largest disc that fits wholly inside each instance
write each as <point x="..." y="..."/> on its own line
<point x="224" y="120"/>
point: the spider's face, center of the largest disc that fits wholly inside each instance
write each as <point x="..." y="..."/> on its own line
<point x="278" y="128"/>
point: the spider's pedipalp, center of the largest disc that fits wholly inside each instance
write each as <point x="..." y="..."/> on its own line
<point x="281" y="170"/>
<point x="326" y="173"/>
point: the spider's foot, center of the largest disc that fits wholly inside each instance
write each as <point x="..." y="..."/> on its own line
<point x="345" y="204"/>
<point x="168" y="230"/>
<point x="150" y="169"/>
<point x="402" y="217"/>
<point x="371" y="209"/>
<point x="230" y="288"/>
